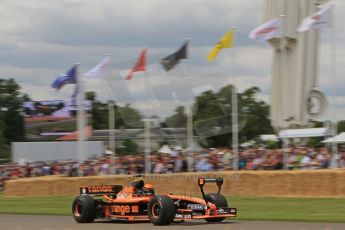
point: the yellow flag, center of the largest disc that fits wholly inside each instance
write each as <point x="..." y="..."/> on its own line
<point x="227" y="41"/>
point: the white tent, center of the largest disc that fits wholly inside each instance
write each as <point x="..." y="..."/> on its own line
<point x="302" y="133"/>
<point x="269" y="137"/>
<point x="165" y="149"/>
<point x="108" y="152"/>
<point x="248" y="144"/>
<point x="194" y="148"/>
<point x="336" y="139"/>
<point x="178" y="148"/>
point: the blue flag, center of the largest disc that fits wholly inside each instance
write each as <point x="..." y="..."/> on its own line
<point x="73" y="98"/>
<point x="70" y="77"/>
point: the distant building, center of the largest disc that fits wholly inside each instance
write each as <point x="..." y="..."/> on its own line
<point x="173" y="136"/>
<point x="155" y="121"/>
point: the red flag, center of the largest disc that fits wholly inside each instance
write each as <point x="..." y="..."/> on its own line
<point x="140" y="65"/>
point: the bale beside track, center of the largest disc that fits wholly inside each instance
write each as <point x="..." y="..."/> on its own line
<point x="303" y="183"/>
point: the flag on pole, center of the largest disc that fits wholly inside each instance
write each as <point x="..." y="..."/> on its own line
<point x="100" y="68"/>
<point x="171" y="60"/>
<point x="70" y="77"/>
<point x="226" y="41"/>
<point x="73" y="98"/>
<point x="139" y="66"/>
<point x="268" y="30"/>
<point x="321" y="19"/>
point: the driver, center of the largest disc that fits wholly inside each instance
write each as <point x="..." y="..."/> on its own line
<point x="148" y="189"/>
<point x="138" y="186"/>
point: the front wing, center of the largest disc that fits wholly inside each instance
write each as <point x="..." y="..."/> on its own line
<point x="185" y="214"/>
<point x="188" y="214"/>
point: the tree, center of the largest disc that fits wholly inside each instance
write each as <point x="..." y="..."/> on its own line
<point x="341" y="126"/>
<point x="255" y="113"/>
<point x="212" y="116"/>
<point x="100" y="115"/>
<point x="3" y="144"/>
<point x="12" y="124"/>
<point x="125" y="117"/>
<point x="178" y="120"/>
<point x="129" y="147"/>
<point x="128" y="117"/>
<point x="91" y="96"/>
<point x="211" y="119"/>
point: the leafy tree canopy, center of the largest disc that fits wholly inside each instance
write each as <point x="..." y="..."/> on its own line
<point x="11" y="119"/>
<point x="178" y="120"/>
<point x="212" y="113"/>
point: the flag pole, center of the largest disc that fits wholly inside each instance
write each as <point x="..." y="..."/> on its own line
<point x="190" y="137"/>
<point x="80" y="117"/>
<point x="283" y="79"/>
<point x="147" y="142"/>
<point x="190" y="134"/>
<point x="111" y="121"/>
<point x="112" y="138"/>
<point x="113" y="134"/>
<point x="334" y="77"/>
<point x="147" y="123"/>
<point x="147" y="133"/>
<point x="234" y="116"/>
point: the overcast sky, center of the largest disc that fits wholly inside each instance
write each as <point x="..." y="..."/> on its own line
<point x="41" y="39"/>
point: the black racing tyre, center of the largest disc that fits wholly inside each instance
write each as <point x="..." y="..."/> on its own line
<point x="221" y="202"/>
<point x="161" y="210"/>
<point x="84" y="209"/>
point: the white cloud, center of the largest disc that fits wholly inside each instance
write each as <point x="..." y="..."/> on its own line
<point x="41" y="39"/>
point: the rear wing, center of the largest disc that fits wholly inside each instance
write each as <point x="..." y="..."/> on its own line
<point x="202" y="181"/>
<point x="100" y="189"/>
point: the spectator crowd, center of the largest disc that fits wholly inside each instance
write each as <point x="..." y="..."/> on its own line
<point x="203" y="161"/>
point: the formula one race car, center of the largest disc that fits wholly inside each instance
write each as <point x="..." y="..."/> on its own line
<point x="138" y="202"/>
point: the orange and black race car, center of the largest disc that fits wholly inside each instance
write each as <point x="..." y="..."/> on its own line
<point x="138" y="202"/>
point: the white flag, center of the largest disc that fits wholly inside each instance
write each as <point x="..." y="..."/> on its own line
<point x="101" y="68"/>
<point x="322" y="18"/>
<point x="268" y="30"/>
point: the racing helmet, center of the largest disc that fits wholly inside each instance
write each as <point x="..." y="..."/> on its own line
<point x="137" y="184"/>
<point x="148" y="189"/>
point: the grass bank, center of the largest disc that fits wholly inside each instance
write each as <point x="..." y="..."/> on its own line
<point x="249" y="208"/>
<point x="289" y="209"/>
<point x="36" y="205"/>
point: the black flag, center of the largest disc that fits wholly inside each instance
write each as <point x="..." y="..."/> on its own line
<point x="171" y="60"/>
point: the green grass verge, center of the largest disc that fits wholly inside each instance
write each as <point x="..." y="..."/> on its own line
<point x="249" y="208"/>
<point x="289" y="209"/>
<point x="36" y="205"/>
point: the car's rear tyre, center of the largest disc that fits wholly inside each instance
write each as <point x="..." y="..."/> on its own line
<point x="161" y="210"/>
<point x="221" y="202"/>
<point x="84" y="209"/>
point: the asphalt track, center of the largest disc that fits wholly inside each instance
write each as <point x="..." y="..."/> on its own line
<point x="33" y="222"/>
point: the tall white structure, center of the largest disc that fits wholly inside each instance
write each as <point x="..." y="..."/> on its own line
<point x="294" y="75"/>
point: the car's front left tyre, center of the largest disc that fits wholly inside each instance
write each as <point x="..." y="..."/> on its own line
<point x="84" y="209"/>
<point x="161" y="210"/>
<point x="220" y="202"/>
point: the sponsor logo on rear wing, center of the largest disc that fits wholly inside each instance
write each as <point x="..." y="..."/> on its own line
<point x="100" y="189"/>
